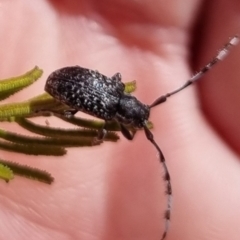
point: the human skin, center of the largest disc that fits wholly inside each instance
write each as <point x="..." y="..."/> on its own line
<point x="116" y="191"/>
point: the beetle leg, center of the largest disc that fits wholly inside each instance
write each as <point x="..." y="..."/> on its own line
<point x="66" y="113"/>
<point x="101" y="135"/>
<point x="126" y="133"/>
<point x="117" y="76"/>
<point x="69" y="113"/>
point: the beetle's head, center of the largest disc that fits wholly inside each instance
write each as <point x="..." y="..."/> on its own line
<point x="132" y="112"/>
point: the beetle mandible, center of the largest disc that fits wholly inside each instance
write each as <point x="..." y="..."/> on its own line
<point x="98" y="95"/>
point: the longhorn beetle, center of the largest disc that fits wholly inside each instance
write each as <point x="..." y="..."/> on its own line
<point x="92" y="92"/>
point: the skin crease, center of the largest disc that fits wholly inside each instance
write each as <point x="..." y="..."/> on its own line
<point x="116" y="191"/>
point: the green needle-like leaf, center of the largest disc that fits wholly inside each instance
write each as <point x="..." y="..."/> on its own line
<point x="63" y="133"/>
<point x="130" y="87"/>
<point x="27" y="171"/>
<point x="15" y="84"/>
<point x="33" y="149"/>
<point x="5" y="172"/>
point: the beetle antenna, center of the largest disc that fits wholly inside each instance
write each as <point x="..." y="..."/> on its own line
<point x="167" y="214"/>
<point x="219" y="57"/>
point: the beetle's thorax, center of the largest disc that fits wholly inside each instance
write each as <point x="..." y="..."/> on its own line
<point x="132" y="112"/>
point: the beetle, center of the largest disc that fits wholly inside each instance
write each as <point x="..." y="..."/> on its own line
<point x="91" y="92"/>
